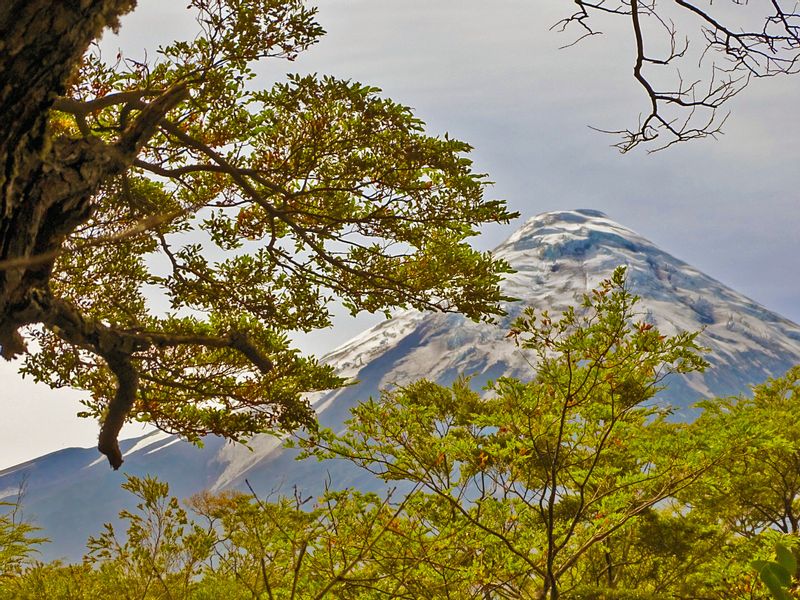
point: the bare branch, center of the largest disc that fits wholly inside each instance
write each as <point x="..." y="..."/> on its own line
<point x="685" y="112"/>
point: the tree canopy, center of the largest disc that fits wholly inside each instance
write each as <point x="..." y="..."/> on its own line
<point x="246" y="210"/>
<point x="572" y="483"/>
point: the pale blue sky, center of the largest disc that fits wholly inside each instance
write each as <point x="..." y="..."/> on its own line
<point x="491" y="73"/>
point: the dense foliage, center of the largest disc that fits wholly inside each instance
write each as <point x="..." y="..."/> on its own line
<point x="180" y="223"/>
<point x="574" y="484"/>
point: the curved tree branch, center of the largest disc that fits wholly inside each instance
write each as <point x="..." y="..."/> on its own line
<point x="119" y="348"/>
<point x="119" y="407"/>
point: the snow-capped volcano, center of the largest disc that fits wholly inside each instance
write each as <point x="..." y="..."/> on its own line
<point x="557" y="256"/>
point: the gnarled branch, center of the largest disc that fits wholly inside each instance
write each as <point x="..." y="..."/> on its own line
<point x="119" y="407"/>
<point x="119" y="348"/>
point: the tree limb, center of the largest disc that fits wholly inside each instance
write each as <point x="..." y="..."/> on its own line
<point x="119" y="407"/>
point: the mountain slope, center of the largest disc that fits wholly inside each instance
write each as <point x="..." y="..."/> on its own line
<point x="558" y="257"/>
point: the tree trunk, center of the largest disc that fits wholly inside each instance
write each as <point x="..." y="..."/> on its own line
<point x="46" y="186"/>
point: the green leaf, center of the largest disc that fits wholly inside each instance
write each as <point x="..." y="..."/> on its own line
<point x="772" y="580"/>
<point x="785" y="558"/>
<point x="759" y="565"/>
<point x="774" y="576"/>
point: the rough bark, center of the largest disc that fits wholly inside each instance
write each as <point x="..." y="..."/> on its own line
<point x="46" y="186"/>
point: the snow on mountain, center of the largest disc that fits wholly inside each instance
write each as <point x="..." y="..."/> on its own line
<point x="558" y="256"/>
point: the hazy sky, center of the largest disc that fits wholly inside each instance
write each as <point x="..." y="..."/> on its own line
<point x="491" y="73"/>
